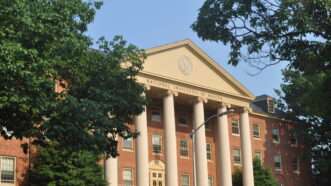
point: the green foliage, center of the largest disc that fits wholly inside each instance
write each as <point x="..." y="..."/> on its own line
<point x="262" y="176"/>
<point x="264" y="33"/>
<point x="55" y="166"/>
<point x="42" y="41"/>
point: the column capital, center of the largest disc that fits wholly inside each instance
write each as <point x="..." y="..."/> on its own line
<point x="147" y="86"/>
<point x="246" y="109"/>
<point x="223" y="104"/>
<point x="201" y="99"/>
<point x="171" y="92"/>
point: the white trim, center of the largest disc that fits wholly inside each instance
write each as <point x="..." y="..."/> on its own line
<point x="14" y="181"/>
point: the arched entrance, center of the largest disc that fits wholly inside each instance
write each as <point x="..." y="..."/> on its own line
<point x="156" y="173"/>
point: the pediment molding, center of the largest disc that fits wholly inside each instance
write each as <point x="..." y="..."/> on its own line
<point x="206" y="60"/>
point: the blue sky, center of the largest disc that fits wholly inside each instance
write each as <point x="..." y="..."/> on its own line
<point x="149" y="23"/>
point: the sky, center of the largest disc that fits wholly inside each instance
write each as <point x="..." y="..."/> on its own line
<point x="150" y="23"/>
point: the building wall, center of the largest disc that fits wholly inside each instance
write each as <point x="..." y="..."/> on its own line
<point x="264" y="144"/>
<point x="12" y="148"/>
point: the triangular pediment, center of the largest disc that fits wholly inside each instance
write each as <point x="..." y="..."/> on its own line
<point x="184" y="62"/>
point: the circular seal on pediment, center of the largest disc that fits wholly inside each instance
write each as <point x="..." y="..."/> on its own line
<point x="185" y="65"/>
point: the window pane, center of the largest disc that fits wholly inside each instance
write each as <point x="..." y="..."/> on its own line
<point x="293" y="139"/>
<point x="127" y="177"/>
<point x="256" y="131"/>
<point x="258" y="156"/>
<point x="295" y="164"/>
<point x="278" y="162"/>
<point x="7" y="169"/>
<point x="208" y="151"/>
<point x="210" y="181"/>
<point x="235" y="127"/>
<point x="185" y="180"/>
<point x="156" y="142"/>
<point x="128" y="143"/>
<point x="182" y="120"/>
<point x="156" y="116"/>
<point x="236" y="156"/>
<point x="275" y="135"/>
<point x="183" y="148"/>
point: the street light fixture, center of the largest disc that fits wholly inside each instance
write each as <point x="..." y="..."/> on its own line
<point x="194" y="131"/>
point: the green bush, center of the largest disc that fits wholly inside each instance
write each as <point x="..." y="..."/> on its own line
<point x="55" y="166"/>
<point x="262" y="176"/>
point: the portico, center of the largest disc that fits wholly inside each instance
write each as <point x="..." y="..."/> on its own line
<point x="182" y="73"/>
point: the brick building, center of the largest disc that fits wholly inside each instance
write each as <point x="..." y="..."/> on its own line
<point x="185" y="87"/>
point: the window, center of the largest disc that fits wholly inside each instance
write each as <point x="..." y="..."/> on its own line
<point x="208" y="148"/>
<point x="278" y="162"/>
<point x="156" y="116"/>
<point x="296" y="165"/>
<point x="275" y="135"/>
<point x="128" y="143"/>
<point x="236" y="156"/>
<point x="157" y="178"/>
<point x="156" y="142"/>
<point x="294" y="139"/>
<point x="183" y="148"/>
<point x="235" y="127"/>
<point x="271" y="106"/>
<point x="127" y="177"/>
<point x="182" y="120"/>
<point x="185" y="180"/>
<point x="7" y="167"/>
<point x="210" y="181"/>
<point x="258" y="155"/>
<point x="256" y="131"/>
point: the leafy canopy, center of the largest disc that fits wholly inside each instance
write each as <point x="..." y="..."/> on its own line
<point x="44" y="42"/>
<point x="264" y="32"/>
<point x="298" y="32"/>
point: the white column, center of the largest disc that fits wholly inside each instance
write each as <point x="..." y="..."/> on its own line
<point x="142" y="170"/>
<point x="200" y="145"/>
<point x="246" y="148"/>
<point x="223" y="147"/>
<point x="111" y="171"/>
<point x="170" y="139"/>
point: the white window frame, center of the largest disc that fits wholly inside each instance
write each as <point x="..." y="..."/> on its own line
<point x="235" y="121"/>
<point x="280" y="162"/>
<point x="278" y="134"/>
<point x="182" y="149"/>
<point x="154" y="118"/>
<point x="294" y="136"/>
<point x="233" y="156"/>
<point x="297" y="170"/>
<point x="210" y="180"/>
<point x="261" y="156"/>
<point x="259" y="131"/>
<point x="181" y="180"/>
<point x="209" y="152"/>
<point x="160" y="152"/>
<point x="123" y="176"/>
<point x="14" y="181"/>
<point x="127" y="148"/>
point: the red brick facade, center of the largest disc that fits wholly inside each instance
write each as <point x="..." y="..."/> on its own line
<point x="264" y="144"/>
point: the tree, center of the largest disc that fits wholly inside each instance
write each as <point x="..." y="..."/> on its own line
<point x="55" y="166"/>
<point x="262" y="176"/>
<point x="43" y="42"/>
<point x="266" y="32"/>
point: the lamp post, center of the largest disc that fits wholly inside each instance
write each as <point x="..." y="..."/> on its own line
<point x="193" y="132"/>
